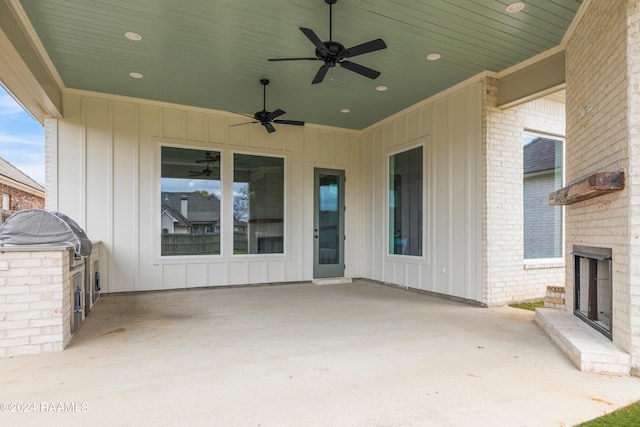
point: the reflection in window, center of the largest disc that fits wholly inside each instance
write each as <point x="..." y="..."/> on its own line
<point x="543" y="174"/>
<point x="405" y="203"/>
<point x="258" y="204"/>
<point x="190" y="202"/>
<point x="329" y="229"/>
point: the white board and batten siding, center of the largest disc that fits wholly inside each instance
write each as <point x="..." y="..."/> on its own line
<point x="108" y="174"/>
<point x="450" y="130"/>
<point x="107" y="179"/>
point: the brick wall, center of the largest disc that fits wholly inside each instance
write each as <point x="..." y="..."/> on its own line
<point x="598" y="139"/>
<point x="633" y="53"/>
<point x="507" y="277"/>
<point x="19" y="200"/>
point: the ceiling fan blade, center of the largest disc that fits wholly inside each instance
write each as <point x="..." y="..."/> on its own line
<point x="289" y="122"/>
<point x="240" y="124"/>
<point x="315" y="40"/>
<point x="275" y="114"/>
<point x="320" y="74"/>
<point x="243" y="114"/>
<point x="360" y="69"/>
<point x="292" y="59"/>
<point x="367" y="47"/>
<point x="269" y="127"/>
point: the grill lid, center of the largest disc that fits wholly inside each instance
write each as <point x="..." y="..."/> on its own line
<point x="38" y="226"/>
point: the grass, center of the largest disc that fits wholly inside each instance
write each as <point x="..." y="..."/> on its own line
<point x="623" y="417"/>
<point x="531" y="305"/>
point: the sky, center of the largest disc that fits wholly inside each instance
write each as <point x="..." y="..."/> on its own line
<point x="178" y="185"/>
<point x="21" y="138"/>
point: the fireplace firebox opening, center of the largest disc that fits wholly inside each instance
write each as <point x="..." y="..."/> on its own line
<point x="593" y="287"/>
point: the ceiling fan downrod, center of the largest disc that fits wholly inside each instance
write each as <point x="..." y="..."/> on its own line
<point x="264" y="83"/>
<point x="330" y="3"/>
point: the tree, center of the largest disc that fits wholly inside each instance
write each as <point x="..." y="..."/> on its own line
<point x="205" y="193"/>
<point x="241" y="202"/>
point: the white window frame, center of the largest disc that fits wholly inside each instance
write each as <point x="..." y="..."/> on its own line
<point x="531" y="263"/>
<point x="285" y="205"/>
<point x="158" y="204"/>
<point x="425" y="217"/>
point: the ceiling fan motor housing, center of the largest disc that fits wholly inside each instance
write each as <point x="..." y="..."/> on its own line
<point x="330" y="56"/>
<point x="261" y="116"/>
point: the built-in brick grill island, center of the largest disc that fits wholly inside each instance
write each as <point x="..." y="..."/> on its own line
<point x="49" y="278"/>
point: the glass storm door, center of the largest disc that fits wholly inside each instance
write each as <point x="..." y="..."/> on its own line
<point x="328" y="232"/>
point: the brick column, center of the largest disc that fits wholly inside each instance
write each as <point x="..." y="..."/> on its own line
<point x="603" y="117"/>
<point x="507" y="277"/>
<point x="633" y="179"/>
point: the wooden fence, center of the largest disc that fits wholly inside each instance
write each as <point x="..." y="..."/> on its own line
<point x="199" y="244"/>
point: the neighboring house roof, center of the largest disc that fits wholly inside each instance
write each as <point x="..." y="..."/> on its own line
<point x="179" y="219"/>
<point x="539" y="155"/>
<point x="200" y="209"/>
<point x="13" y="173"/>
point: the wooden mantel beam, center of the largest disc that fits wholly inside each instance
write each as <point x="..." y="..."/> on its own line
<point x="592" y="186"/>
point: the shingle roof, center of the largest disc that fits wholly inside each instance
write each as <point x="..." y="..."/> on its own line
<point x="539" y="155"/>
<point x="182" y="221"/>
<point x="12" y="172"/>
<point x="200" y="209"/>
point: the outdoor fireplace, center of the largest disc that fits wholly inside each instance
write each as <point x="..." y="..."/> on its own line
<point x="593" y="287"/>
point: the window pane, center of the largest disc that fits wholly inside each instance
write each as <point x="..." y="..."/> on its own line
<point x="190" y="202"/>
<point x="329" y="229"/>
<point x="405" y="203"/>
<point x="543" y="174"/>
<point x="258" y="204"/>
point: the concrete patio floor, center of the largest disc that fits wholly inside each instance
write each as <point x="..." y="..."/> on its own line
<point x="359" y="354"/>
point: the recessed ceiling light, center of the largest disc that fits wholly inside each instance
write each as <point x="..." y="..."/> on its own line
<point x="515" y="7"/>
<point x="133" y="36"/>
<point x="434" y="56"/>
<point x="381" y="88"/>
<point x="136" y="75"/>
<point x="345" y="110"/>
